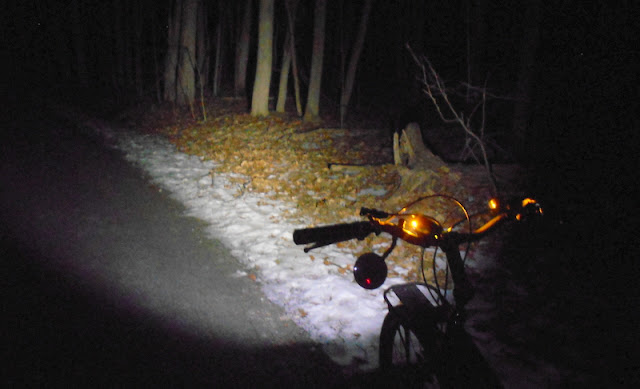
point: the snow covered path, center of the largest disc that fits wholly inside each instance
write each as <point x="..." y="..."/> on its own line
<point x="106" y="282"/>
<point x="333" y="309"/>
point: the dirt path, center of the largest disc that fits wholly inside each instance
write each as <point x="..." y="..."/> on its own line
<point x="108" y="283"/>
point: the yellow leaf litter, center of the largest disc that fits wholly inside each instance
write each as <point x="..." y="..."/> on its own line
<point x="276" y="157"/>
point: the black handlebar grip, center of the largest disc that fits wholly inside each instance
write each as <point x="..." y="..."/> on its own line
<point x="334" y="233"/>
<point x="373" y="213"/>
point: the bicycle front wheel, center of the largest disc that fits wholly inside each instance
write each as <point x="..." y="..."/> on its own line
<point x="403" y="355"/>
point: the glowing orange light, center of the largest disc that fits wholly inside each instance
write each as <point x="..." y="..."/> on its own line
<point x="413" y="227"/>
<point x="494" y="204"/>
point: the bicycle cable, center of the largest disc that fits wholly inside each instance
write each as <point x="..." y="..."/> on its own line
<point x="433" y="262"/>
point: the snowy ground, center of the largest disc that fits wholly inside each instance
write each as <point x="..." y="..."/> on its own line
<point x="336" y="312"/>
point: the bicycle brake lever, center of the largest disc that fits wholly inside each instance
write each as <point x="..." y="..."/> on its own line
<point x="316" y="245"/>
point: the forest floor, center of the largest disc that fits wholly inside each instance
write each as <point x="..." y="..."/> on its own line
<point x="317" y="166"/>
<point x="326" y="172"/>
<point x="257" y="179"/>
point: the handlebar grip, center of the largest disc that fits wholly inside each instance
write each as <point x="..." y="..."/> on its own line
<point x="373" y="213"/>
<point x="333" y="233"/>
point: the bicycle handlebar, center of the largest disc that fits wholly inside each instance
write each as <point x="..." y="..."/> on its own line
<point x="334" y="233"/>
<point x="420" y="230"/>
<point x="374" y="213"/>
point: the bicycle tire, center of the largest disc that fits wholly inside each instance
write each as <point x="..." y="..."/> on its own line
<point x="403" y="358"/>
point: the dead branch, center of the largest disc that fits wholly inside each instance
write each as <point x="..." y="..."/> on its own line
<point x="435" y="88"/>
<point x="351" y="168"/>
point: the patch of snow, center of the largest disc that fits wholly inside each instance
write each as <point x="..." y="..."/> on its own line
<point x="372" y="192"/>
<point x="328" y="304"/>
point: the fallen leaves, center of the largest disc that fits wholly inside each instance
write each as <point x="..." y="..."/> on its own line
<point x="284" y="164"/>
<point x="273" y="157"/>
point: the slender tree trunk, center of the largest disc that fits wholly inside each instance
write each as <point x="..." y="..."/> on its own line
<point x="260" y="98"/>
<point x="171" y="59"/>
<point x="287" y="51"/>
<point x="219" y="50"/>
<point x="242" y="52"/>
<point x="203" y="46"/>
<point x="291" y="6"/>
<point x="311" y="113"/>
<point x="524" y="87"/>
<point x="284" y="75"/>
<point x="353" y="61"/>
<point x="186" y="72"/>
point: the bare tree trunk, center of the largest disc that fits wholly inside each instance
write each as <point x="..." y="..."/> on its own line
<point x="171" y="59"/>
<point x="242" y="52"/>
<point x="311" y="112"/>
<point x="186" y="72"/>
<point x="287" y="55"/>
<point x="284" y="75"/>
<point x="530" y="40"/>
<point x="353" y="61"/>
<point x="260" y="98"/>
<point x="219" y="51"/>
<point x="291" y="6"/>
<point x="203" y="46"/>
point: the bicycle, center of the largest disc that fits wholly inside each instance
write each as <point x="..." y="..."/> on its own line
<point x="422" y="339"/>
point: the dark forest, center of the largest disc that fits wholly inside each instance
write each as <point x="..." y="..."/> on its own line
<point x="556" y="74"/>
<point x="547" y="86"/>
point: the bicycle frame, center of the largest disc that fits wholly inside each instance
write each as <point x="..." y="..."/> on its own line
<point x="449" y="351"/>
<point x="438" y="324"/>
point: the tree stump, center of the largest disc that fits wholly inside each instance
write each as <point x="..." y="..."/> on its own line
<point x="417" y="166"/>
<point x="410" y="151"/>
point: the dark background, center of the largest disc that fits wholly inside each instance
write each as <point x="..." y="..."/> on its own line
<point x="584" y="88"/>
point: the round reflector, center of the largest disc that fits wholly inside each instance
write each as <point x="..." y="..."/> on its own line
<point x="370" y="271"/>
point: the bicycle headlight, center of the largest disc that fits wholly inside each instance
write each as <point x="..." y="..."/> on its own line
<point x="421" y="230"/>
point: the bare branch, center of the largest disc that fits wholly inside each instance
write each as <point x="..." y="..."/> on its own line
<point x="434" y="86"/>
